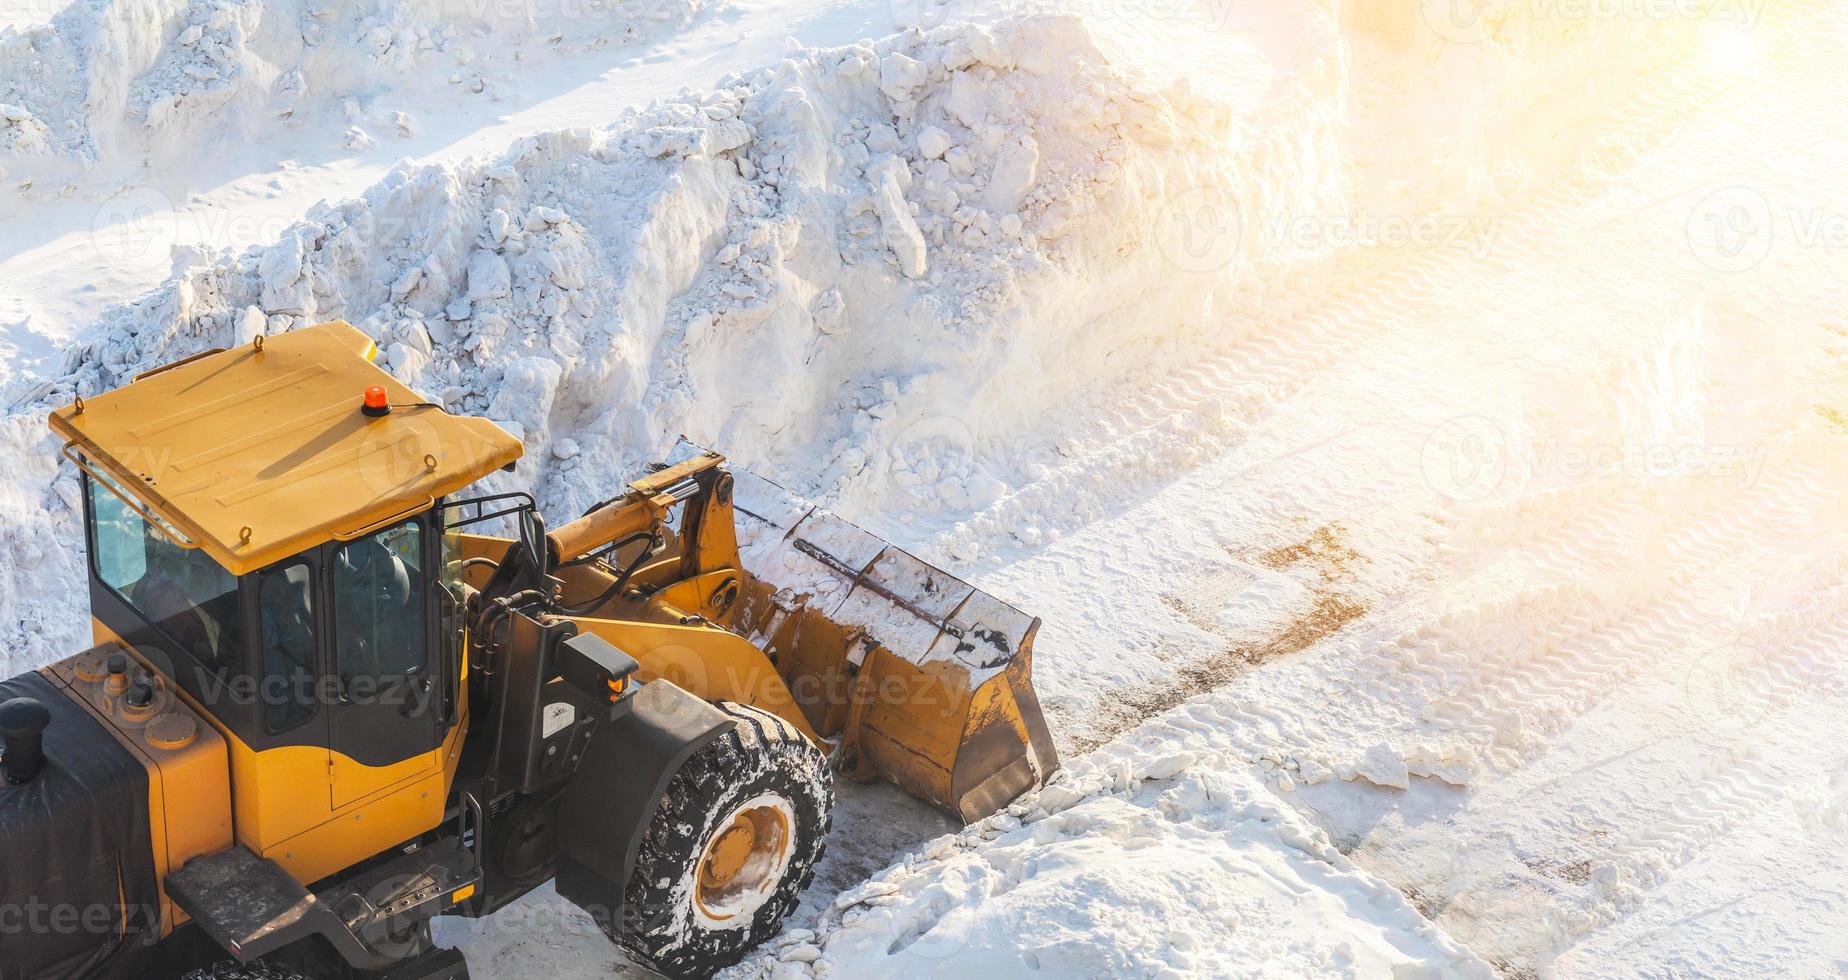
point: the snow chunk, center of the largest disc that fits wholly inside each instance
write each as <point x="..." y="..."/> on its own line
<point x="488" y="276"/>
<point x="901" y="228"/>
<point x="1383" y="765"/>
<point x="1016" y="170"/>
<point x="933" y="143"/>
<point x="900" y="75"/>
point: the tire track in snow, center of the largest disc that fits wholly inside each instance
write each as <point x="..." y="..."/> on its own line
<point x="1514" y="670"/>
<point x="1646" y="856"/>
<point x="1659" y="630"/>
<point x="1173" y="428"/>
<point x="1161" y="424"/>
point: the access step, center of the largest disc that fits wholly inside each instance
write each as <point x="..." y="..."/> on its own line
<point x="253" y="908"/>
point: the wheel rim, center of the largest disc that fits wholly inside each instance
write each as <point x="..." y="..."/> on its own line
<point x="744" y="860"/>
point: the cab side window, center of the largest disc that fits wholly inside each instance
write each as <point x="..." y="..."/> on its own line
<point x="379" y="605"/>
<point x="285" y="605"/>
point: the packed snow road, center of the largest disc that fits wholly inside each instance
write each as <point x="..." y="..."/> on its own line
<point x="1519" y="574"/>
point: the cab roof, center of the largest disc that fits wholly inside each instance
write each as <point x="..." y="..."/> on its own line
<point x="261" y="452"/>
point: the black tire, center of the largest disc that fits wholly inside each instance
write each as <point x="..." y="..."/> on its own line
<point x="230" y="970"/>
<point x="763" y="765"/>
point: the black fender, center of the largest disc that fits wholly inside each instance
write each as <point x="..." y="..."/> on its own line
<point x="605" y="810"/>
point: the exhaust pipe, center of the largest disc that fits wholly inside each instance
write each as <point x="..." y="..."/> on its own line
<point x="22" y="730"/>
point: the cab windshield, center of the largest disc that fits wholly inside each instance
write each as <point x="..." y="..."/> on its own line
<point x="185" y="595"/>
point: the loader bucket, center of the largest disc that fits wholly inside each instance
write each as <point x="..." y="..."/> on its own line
<point x="927" y="680"/>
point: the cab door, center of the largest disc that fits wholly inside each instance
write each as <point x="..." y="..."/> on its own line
<point x="386" y="723"/>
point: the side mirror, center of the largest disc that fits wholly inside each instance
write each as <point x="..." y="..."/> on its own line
<point x="532" y="534"/>
<point x="449" y="657"/>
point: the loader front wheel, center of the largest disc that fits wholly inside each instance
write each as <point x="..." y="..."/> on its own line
<point x="731" y="847"/>
<point x="231" y="970"/>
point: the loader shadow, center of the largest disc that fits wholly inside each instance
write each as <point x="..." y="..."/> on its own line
<point x="875" y="824"/>
<point x="543" y="935"/>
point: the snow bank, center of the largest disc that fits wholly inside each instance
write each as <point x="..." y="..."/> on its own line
<point x="1154" y="856"/>
<point x="803" y="267"/>
<point x="124" y="82"/>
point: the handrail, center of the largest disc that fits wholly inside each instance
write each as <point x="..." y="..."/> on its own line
<point x="141" y="510"/>
<point x="411" y="511"/>
<point x="179" y="363"/>
<point x="481" y="516"/>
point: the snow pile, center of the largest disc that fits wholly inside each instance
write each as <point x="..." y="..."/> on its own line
<point x="116" y="83"/>
<point x="1149" y="857"/>
<point x="801" y="268"/>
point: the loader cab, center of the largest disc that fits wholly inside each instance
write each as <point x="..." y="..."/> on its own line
<point x="269" y="542"/>
<point x="351" y="645"/>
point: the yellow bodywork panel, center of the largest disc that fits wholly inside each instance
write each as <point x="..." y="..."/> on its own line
<point x="278" y="800"/>
<point x="189" y="789"/>
<point x="258" y="453"/>
<point x="714" y="663"/>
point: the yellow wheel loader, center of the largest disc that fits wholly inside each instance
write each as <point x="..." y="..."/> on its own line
<point x="333" y="696"/>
